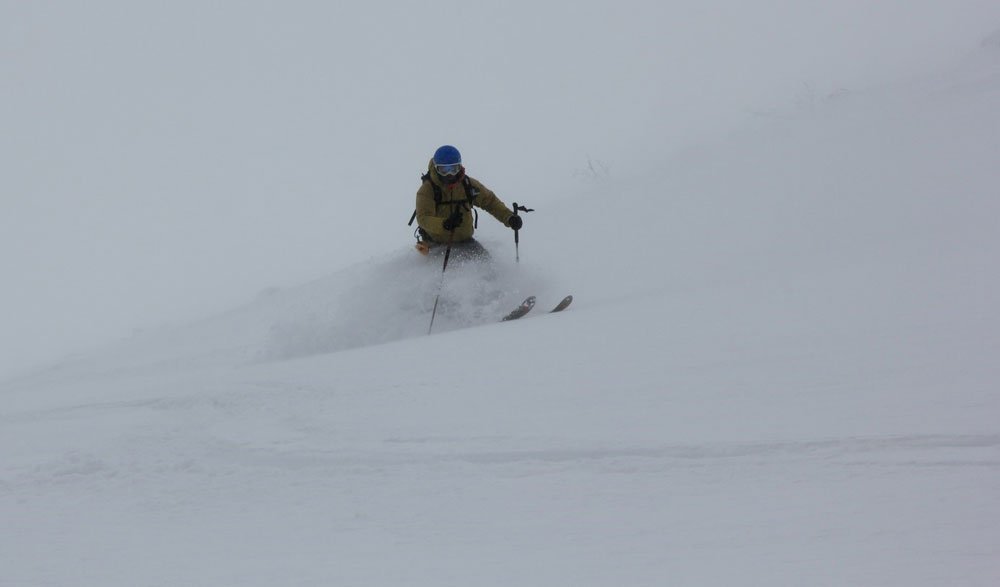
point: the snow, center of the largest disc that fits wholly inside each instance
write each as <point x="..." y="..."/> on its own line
<point x="780" y="368"/>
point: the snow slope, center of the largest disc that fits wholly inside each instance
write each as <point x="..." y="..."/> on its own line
<point x="780" y="369"/>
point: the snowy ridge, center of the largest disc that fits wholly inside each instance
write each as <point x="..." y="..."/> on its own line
<point x="780" y="369"/>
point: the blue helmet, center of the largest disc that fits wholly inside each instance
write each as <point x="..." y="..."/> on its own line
<point x="447" y="155"/>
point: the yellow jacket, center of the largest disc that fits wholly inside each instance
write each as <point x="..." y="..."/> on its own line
<point x="431" y="214"/>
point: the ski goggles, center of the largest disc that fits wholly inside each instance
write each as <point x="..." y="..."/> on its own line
<point x="449" y="169"/>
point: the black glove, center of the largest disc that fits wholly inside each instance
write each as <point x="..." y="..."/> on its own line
<point x="452" y="222"/>
<point x="515" y="222"/>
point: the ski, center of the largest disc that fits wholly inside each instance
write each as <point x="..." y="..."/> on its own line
<point x="529" y="303"/>
<point x="566" y="301"/>
<point x="521" y="310"/>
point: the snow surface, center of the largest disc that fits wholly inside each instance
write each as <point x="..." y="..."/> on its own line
<point x="781" y="368"/>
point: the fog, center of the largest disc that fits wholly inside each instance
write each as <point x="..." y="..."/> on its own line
<point x="164" y="162"/>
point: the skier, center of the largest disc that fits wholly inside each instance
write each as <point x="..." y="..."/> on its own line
<point x="444" y="206"/>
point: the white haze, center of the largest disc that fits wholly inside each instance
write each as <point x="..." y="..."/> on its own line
<point x="780" y="368"/>
<point x="162" y="162"/>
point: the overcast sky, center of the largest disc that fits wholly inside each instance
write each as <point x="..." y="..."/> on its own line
<point x="165" y="160"/>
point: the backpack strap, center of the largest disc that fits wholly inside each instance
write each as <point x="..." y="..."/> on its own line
<point x="437" y="190"/>
<point x="470" y="197"/>
<point x="470" y="191"/>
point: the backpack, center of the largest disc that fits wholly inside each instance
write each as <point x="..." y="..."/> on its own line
<point x="470" y="197"/>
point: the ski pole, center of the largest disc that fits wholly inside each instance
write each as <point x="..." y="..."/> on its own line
<point x="517" y="239"/>
<point x="444" y="267"/>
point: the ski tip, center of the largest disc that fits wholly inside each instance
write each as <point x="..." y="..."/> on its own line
<point x="521" y="310"/>
<point x="566" y="301"/>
